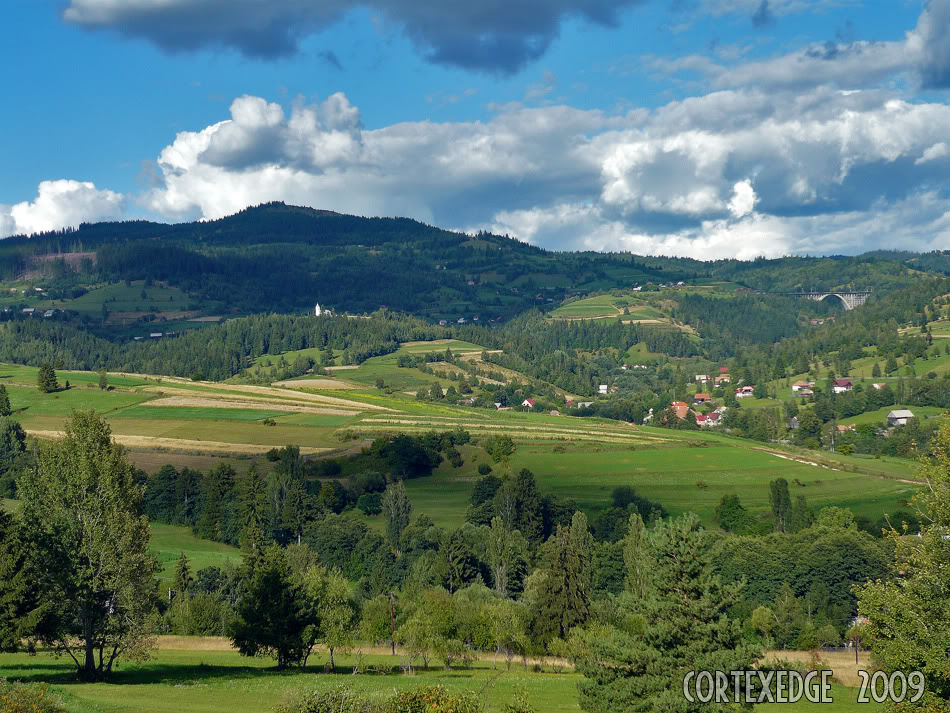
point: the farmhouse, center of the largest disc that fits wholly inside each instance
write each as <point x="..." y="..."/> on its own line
<point x="744" y="392"/>
<point x="528" y="403"/>
<point x="899" y="417"/>
<point x="702" y="378"/>
<point x="723" y="379"/>
<point x="842" y="385"/>
<point x="680" y="408"/>
<point x="803" y="393"/>
<point x="799" y="385"/>
<point x="713" y="419"/>
<point x="702" y="398"/>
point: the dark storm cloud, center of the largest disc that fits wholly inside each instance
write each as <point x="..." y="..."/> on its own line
<point x="493" y="35"/>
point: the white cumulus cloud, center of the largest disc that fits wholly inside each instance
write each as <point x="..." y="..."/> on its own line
<point x="734" y="172"/>
<point x="58" y="204"/>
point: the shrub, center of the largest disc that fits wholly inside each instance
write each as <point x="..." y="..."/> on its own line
<point x="433" y="699"/>
<point x="28" y="698"/>
<point x="484" y="469"/>
<point x="370" y="503"/>
<point x="336" y="700"/>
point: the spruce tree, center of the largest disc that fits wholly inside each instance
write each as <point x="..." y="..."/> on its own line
<point x="680" y="624"/>
<point x="876" y="371"/>
<point x="5" y="409"/>
<point x="183" y="578"/>
<point x="564" y="598"/>
<point x="46" y="379"/>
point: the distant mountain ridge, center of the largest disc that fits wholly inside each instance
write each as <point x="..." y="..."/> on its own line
<point x="282" y="258"/>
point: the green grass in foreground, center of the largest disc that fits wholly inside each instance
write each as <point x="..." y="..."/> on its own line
<point x="209" y="681"/>
<point x="195" y="681"/>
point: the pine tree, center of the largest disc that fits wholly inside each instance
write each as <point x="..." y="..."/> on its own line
<point x="183" y="578"/>
<point x="46" y="379"/>
<point x="5" y="409"/>
<point x="680" y="624"/>
<point x="876" y="371"/>
<point x="564" y="599"/>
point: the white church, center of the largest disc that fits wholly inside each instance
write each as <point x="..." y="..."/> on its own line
<point x="317" y="311"/>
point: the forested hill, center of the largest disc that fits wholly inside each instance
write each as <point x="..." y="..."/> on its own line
<point x="280" y="258"/>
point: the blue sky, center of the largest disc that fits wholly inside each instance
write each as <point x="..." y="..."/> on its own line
<point x="710" y="128"/>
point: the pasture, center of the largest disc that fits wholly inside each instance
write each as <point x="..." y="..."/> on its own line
<point x="169" y="541"/>
<point x="609" y="305"/>
<point x="204" y="675"/>
<point x="678" y="475"/>
<point x="199" y="424"/>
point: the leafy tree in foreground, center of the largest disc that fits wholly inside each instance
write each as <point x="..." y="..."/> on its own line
<point x="909" y="615"/>
<point x="82" y="510"/>
<point x="679" y="625"/>
<point x="46" y="379"/>
<point x="781" y="503"/>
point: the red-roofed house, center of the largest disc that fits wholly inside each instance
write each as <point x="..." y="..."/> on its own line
<point x="842" y="385"/>
<point x="744" y="391"/>
<point x="724" y="370"/>
<point x="528" y="403"/>
<point x="680" y="408"/>
<point x="702" y="398"/>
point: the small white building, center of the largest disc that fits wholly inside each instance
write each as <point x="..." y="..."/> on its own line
<point x="899" y="417"/>
<point x="602" y="389"/>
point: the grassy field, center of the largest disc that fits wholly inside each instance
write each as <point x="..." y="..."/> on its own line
<point x="679" y="476"/>
<point x="611" y="305"/>
<point x="199" y="424"/>
<point x="193" y="675"/>
<point x="169" y="541"/>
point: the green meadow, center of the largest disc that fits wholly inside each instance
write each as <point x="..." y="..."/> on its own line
<point x="202" y="675"/>
<point x="168" y="542"/>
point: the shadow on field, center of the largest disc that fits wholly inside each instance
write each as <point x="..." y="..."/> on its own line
<point x="64" y="673"/>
